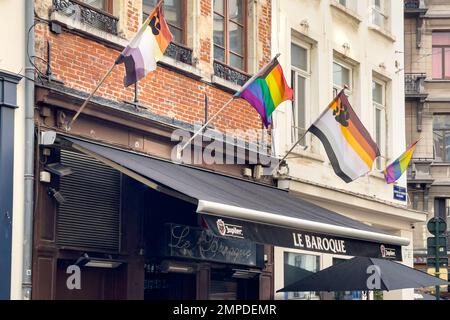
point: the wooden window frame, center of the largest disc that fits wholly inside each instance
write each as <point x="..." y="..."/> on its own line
<point x="108" y="6"/>
<point x="226" y="18"/>
<point x="183" y="28"/>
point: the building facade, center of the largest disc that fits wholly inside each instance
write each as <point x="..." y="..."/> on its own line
<point x="12" y="124"/>
<point x="106" y="220"/>
<point x="326" y="46"/>
<point x="426" y="37"/>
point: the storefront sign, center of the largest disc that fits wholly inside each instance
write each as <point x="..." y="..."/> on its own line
<point x="195" y="243"/>
<point x="289" y="238"/>
<point x="399" y="193"/>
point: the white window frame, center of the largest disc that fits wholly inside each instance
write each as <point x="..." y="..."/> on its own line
<point x="290" y="295"/>
<point x="337" y="88"/>
<point x="349" y="4"/>
<point x="383" y="126"/>
<point x="381" y="11"/>
<point x="306" y="74"/>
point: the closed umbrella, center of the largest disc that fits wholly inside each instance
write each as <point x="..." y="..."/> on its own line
<point x="362" y="274"/>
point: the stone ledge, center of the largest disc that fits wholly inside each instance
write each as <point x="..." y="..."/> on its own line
<point x="383" y="32"/>
<point x="346" y="11"/>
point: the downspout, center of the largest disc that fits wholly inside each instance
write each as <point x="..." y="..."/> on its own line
<point x="29" y="152"/>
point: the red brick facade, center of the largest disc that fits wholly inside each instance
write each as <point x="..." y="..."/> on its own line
<point x="80" y="61"/>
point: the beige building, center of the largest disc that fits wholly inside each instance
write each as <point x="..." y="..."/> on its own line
<point x="324" y="46"/>
<point x="427" y="75"/>
<point x="12" y="129"/>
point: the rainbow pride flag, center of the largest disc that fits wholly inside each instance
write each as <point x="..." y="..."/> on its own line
<point x="266" y="90"/>
<point x="146" y="48"/>
<point x="395" y="170"/>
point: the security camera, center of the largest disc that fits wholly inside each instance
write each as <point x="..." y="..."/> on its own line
<point x="413" y="226"/>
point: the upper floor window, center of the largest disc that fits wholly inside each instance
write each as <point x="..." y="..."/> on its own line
<point x="175" y="15"/>
<point x="342" y="76"/>
<point x="104" y="5"/>
<point x="441" y="55"/>
<point x="441" y="137"/>
<point x="300" y="77"/>
<point x="230" y="22"/>
<point x="379" y="104"/>
<point x="379" y="16"/>
<point x="350" y="4"/>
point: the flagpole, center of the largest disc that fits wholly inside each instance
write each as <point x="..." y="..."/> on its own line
<point x="306" y="132"/>
<point x="204" y="126"/>
<point x="290" y="150"/>
<point x="236" y="95"/>
<point x="69" y="126"/>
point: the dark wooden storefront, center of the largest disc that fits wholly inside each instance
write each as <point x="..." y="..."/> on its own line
<point x="111" y="216"/>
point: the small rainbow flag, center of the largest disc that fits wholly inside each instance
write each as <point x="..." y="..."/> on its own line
<point x="394" y="171"/>
<point x="266" y="90"/>
<point x="146" y="48"/>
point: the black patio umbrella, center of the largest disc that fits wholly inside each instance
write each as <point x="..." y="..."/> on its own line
<point x="353" y="275"/>
<point x="293" y="274"/>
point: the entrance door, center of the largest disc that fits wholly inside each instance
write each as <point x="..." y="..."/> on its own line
<point x="227" y="284"/>
<point x="96" y="283"/>
<point x="170" y="286"/>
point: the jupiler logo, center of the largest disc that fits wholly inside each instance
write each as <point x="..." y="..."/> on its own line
<point x="387" y="252"/>
<point x="229" y="230"/>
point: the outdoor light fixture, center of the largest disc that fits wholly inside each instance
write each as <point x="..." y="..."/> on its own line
<point x="57" y="195"/>
<point x="175" y="267"/>
<point x="245" y="274"/>
<point x="86" y="261"/>
<point x="58" y="169"/>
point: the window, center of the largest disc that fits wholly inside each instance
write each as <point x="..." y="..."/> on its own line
<point x="175" y="15"/>
<point x="229" y="32"/>
<point x="349" y="4"/>
<point x="379" y="104"/>
<point x="300" y="77"/>
<point x="441" y="55"/>
<point x="441" y="137"/>
<point x="104" y="5"/>
<point x="342" y="76"/>
<point x="378" y="13"/>
<point x="303" y="261"/>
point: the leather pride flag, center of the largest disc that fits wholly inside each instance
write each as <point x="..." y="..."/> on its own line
<point x="347" y="142"/>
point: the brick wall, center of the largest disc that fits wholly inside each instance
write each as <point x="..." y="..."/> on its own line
<point x="79" y="61"/>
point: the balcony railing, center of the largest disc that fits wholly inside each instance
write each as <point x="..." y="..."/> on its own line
<point x="412" y="4"/>
<point x="81" y="12"/>
<point x="179" y="53"/>
<point x="414" y="83"/>
<point x="230" y="74"/>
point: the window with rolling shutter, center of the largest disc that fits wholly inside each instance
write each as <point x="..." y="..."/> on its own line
<point x="90" y="216"/>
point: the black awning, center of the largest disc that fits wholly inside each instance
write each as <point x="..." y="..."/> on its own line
<point x="238" y="208"/>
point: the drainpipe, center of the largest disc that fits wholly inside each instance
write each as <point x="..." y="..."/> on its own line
<point x="29" y="152"/>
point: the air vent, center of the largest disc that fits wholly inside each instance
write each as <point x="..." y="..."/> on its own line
<point x="90" y="216"/>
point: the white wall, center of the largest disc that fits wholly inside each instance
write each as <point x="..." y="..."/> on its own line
<point x="329" y="28"/>
<point x="12" y="59"/>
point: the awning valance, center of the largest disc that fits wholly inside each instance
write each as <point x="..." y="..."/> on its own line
<point x="234" y="207"/>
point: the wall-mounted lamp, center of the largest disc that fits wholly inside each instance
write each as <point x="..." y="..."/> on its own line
<point x="58" y="169"/>
<point x="94" y="262"/>
<point x="176" y="267"/>
<point x="245" y="274"/>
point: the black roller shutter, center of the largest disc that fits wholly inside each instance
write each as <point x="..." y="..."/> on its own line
<point x="90" y="216"/>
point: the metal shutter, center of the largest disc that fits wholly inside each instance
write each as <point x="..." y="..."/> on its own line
<point x="90" y="216"/>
